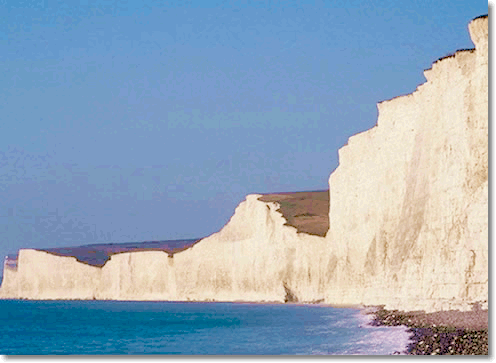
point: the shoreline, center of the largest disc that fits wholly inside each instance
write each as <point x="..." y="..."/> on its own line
<point x="241" y="302"/>
<point x="440" y="333"/>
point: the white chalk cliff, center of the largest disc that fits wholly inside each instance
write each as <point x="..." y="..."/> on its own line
<point x="253" y="258"/>
<point x="408" y="220"/>
<point x="409" y="200"/>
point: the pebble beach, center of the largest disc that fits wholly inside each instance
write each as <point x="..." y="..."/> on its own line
<point x="440" y="333"/>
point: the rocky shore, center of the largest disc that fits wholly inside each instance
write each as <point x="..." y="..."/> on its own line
<point x="441" y="333"/>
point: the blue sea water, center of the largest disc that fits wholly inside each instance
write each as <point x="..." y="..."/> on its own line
<point x="113" y="327"/>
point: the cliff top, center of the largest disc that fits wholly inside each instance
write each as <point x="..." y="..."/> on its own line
<point x="308" y="212"/>
<point x="478" y="30"/>
<point x="99" y="254"/>
<point x="481" y="17"/>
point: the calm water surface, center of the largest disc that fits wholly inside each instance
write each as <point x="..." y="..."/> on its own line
<point x="112" y="327"/>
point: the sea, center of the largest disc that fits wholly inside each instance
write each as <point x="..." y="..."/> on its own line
<point x="190" y="328"/>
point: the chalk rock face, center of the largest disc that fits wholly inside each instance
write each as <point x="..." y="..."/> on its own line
<point x="253" y="258"/>
<point x="40" y="275"/>
<point x="409" y="200"/>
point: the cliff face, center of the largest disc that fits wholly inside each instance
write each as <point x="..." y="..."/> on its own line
<point x="253" y="258"/>
<point x="408" y="221"/>
<point x="409" y="200"/>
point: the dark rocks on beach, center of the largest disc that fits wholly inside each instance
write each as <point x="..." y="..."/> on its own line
<point x="446" y="341"/>
<point x="444" y="338"/>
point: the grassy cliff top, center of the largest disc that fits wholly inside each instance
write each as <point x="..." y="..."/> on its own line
<point x="99" y="254"/>
<point x="307" y="211"/>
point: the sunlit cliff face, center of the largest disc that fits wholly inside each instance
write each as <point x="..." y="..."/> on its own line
<point x="409" y="201"/>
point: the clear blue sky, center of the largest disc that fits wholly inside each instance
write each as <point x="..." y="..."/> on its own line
<point x="129" y="121"/>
